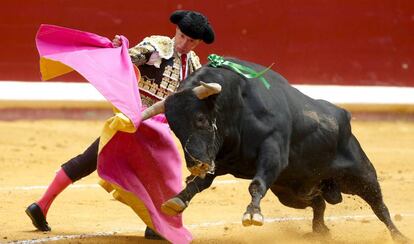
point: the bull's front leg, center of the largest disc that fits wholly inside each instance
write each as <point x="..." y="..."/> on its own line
<point x="194" y="185"/>
<point x="269" y="165"/>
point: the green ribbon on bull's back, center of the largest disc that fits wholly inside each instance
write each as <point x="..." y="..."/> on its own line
<point x="249" y="73"/>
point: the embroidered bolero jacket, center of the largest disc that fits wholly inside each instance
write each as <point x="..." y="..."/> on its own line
<point x="160" y="67"/>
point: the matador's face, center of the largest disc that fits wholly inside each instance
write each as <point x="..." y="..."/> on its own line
<point x="183" y="43"/>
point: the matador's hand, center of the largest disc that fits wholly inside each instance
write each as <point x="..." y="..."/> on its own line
<point x="116" y="42"/>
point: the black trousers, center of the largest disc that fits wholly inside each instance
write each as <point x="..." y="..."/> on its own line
<point x="83" y="164"/>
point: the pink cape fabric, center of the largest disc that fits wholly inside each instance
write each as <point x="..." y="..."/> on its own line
<point x="108" y="69"/>
<point x="141" y="163"/>
<point x="146" y="163"/>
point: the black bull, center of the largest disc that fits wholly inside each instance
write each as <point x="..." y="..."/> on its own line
<point x="300" y="148"/>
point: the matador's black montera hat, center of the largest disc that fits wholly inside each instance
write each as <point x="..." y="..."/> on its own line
<point x="193" y="24"/>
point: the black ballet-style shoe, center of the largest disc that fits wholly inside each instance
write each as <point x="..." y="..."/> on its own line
<point x="38" y="218"/>
<point x="152" y="235"/>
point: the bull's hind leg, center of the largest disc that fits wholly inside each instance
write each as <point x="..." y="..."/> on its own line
<point x="288" y="198"/>
<point x="369" y="189"/>
<point x="318" y="222"/>
<point x="360" y="179"/>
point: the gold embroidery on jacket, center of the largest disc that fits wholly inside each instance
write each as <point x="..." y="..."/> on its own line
<point x="152" y="91"/>
<point x="140" y="54"/>
<point x="162" y="44"/>
<point x="195" y="61"/>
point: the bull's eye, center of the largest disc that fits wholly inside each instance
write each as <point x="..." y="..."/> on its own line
<point x="201" y="121"/>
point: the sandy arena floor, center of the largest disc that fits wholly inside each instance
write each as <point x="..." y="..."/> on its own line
<point x="31" y="151"/>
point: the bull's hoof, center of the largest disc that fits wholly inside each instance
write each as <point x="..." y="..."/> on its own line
<point x="246" y="220"/>
<point x="257" y="219"/>
<point x="320" y="228"/>
<point x="173" y="206"/>
<point x="252" y="219"/>
<point x="400" y="238"/>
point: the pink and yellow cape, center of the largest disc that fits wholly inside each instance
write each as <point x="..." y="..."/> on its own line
<point x="138" y="160"/>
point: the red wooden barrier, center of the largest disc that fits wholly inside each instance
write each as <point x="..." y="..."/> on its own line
<point x="366" y="42"/>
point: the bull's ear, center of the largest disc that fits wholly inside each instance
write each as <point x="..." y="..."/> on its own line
<point x="206" y="89"/>
<point x="155" y="109"/>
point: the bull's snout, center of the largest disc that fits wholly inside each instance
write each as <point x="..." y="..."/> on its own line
<point x="202" y="169"/>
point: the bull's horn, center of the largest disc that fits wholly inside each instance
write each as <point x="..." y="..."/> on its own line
<point x="206" y="89"/>
<point x="155" y="109"/>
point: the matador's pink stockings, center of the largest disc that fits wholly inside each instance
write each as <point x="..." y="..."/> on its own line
<point x="59" y="183"/>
